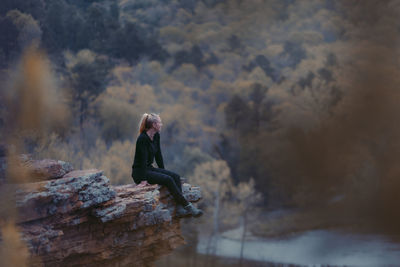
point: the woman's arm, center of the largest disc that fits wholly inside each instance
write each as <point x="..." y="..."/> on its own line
<point x="158" y="155"/>
<point x="143" y="153"/>
<point x="141" y="158"/>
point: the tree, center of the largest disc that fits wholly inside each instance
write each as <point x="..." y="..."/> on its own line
<point x="28" y="28"/>
<point x="257" y="96"/>
<point x="237" y="113"/>
<point x="214" y="179"/>
<point x="247" y="197"/>
<point x="35" y="8"/>
<point x="17" y="31"/>
<point x="87" y="76"/>
<point x="194" y="56"/>
<point x="96" y="19"/>
<point x="53" y="26"/>
<point x="126" y="43"/>
<point x="8" y="37"/>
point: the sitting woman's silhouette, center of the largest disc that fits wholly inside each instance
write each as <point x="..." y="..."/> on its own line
<point x="144" y="173"/>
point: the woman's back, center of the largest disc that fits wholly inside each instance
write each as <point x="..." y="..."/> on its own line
<point x="145" y="152"/>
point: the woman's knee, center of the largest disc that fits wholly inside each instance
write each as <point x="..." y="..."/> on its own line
<point x="174" y="175"/>
<point x="168" y="180"/>
<point x="169" y="173"/>
<point x="177" y="179"/>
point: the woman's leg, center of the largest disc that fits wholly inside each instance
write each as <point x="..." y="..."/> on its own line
<point x="154" y="177"/>
<point x="174" y="175"/>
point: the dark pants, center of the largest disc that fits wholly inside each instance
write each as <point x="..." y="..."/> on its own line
<point x="170" y="179"/>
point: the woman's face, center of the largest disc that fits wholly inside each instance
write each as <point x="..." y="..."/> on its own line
<point x="157" y="125"/>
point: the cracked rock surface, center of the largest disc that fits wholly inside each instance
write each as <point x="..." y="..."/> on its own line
<point x="79" y="219"/>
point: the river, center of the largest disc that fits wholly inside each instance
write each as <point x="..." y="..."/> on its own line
<point x="311" y="248"/>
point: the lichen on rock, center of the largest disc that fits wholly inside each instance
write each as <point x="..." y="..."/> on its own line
<point x="79" y="219"/>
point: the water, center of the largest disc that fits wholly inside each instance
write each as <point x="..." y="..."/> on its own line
<point x="315" y="248"/>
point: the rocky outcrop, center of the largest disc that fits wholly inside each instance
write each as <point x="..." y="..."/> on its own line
<point x="78" y="219"/>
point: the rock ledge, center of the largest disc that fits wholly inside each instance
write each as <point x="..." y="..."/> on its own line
<point x="76" y="218"/>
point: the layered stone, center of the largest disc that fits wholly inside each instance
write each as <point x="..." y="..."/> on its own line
<point x="80" y="219"/>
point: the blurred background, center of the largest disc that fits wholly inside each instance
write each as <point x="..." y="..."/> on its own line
<point x="284" y="112"/>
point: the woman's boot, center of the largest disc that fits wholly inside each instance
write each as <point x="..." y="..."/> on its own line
<point x="181" y="211"/>
<point x="193" y="210"/>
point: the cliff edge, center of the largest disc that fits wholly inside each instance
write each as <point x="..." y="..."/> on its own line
<point x="76" y="218"/>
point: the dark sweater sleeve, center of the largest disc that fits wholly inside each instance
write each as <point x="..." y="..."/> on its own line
<point x="141" y="157"/>
<point x="158" y="156"/>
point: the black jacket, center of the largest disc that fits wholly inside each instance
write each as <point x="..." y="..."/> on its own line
<point x="146" y="151"/>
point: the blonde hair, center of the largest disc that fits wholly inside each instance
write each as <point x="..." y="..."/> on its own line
<point x="147" y="120"/>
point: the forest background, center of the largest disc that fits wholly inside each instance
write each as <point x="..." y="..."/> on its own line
<point x="267" y="104"/>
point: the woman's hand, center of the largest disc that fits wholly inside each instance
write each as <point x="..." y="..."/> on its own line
<point x="143" y="183"/>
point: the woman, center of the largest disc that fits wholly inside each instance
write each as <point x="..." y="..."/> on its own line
<point x="148" y="148"/>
